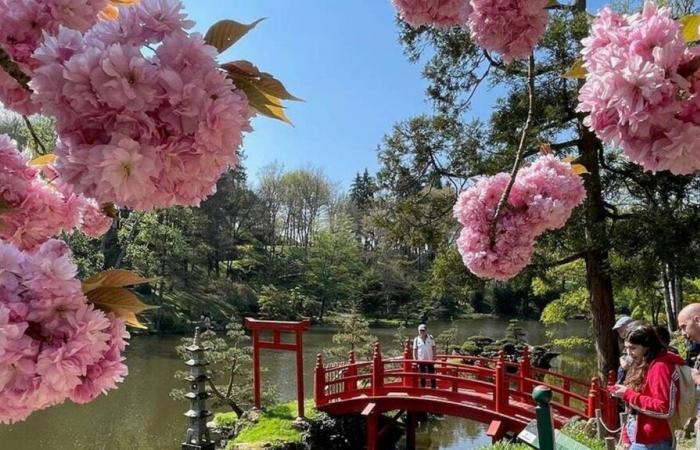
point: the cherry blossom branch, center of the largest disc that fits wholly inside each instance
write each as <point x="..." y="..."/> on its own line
<point x="37" y="141"/>
<point x="521" y="148"/>
<point x="13" y="70"/>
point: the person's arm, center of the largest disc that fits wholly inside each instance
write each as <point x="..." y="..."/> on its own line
<point x="415" y="349"/>
<point x="657" y="403"/>
<point x="432" y="340"/>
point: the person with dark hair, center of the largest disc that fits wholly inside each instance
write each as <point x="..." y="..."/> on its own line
<point x="650" y="390"/>
<point x="665" y="338"/>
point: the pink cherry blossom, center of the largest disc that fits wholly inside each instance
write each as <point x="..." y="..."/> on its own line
<point x="509" y="27"/>
<point x="35" y="208"/>
<point x="542" y="198"/>
<point x="634" y="94"/>
<point x="139" y="128"/>
<point x="53" y="344"/>
<point x="438" y="13"/>
<point x="24" y="24"/>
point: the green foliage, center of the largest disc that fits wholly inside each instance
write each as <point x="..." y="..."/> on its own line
<point x="576" y="431"/>
<point x="569" y="305"/>
<point x="679" y="343"/>
<point x="514" y="332"/>
<point x="275" y="425"/>
<point x="283" y="304"/>
<point x="353" y="335"/>
<point x="572" y="343"/>
<point x="230" y="367"/>
<point x="447" y="340"/>
<point x="503" y="445"/>
<point x="227" y="419"/>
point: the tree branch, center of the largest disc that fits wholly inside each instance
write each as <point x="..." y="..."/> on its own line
<point x="568" y="259"/>
<point x="37" y="141"/>
<point x="13" y="70"/>
<point x="521" y="147"/>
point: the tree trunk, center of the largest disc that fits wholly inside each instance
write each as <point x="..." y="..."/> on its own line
<point x="597" y="262"/>
<point x="668" y="299"/>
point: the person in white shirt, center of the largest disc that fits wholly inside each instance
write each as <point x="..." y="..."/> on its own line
<point x="424" y="350"/>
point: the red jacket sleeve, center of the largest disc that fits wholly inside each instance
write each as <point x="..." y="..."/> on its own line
<point x="655" y="399"/>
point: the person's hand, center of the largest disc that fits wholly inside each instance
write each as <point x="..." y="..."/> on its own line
<point x="618" y="390"/>
<point x="624" y="363"/>
<point x="695" y="373"/>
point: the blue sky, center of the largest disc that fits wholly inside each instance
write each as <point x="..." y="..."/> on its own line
<point x="344" y="59"/>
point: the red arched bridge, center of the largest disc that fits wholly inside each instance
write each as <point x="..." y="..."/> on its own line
<point x="493" y="391"/>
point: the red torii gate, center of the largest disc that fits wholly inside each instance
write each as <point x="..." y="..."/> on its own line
<point x="277" y="327"/>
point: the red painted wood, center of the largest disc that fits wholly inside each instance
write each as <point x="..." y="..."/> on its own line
<point x="255" y="324"/>
<point x="277" y="327"/>
<point x="496" y="430"/>
<point x="483" y="392"/>
<point x="256" y="369"/>
<point x="300" y="373"/>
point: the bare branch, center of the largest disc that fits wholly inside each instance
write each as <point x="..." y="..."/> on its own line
<point x="13" y="70"/>
<point x="521" y="146"/>
<point x="37" y="141"/>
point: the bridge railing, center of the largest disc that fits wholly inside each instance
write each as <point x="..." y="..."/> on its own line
<point x="502" y="386"/>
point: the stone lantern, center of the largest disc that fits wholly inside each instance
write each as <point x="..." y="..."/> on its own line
<point x="197" y="432"/>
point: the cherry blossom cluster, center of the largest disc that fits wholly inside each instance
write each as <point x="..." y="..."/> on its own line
<point x="53" y="344"/>
<point x="542" y="198"/>
<point x="642" y="89"/>
<point x="437" y="13"/>
<point x="145" y="117"/>
<point x="33" y="209"/>
<point x="509" y="27"/>
<point x="23" y="25"/>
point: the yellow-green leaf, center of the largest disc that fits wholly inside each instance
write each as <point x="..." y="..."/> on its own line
<point x="113" y="278"/>
<point x="689" y="26"/>
<point x="109" y="12"/>
<point x="579" y="169"/>
<point x="263" y="103"/>
<point x="225" y="33"/>
<point x="123" y="303"/>
<point x="110" y="210"/>
<point x="43" y="160"/>
<point x="576" y="71"/>
<point x="568" y="158"/>
<point x="265" y="82"/>
<point x="552" y="4"/>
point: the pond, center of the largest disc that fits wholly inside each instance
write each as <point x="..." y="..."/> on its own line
<point x="141" y="415"/>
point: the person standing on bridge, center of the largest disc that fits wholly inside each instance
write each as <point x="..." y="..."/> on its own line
<point x="424" y="350"/>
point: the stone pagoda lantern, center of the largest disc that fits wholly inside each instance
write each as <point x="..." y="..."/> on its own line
<point x="197" y="432"/>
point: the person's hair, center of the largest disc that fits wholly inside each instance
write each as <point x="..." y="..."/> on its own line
<point x="645" y="336"/>
<point x="664" y="335"/>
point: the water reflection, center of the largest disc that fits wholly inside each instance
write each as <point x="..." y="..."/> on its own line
<point x="140" y="415"/>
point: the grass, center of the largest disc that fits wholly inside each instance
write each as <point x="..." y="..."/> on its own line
<point x="502" y="445"/>
<point x="227" y="419"/>
<point x="275" y="425"/>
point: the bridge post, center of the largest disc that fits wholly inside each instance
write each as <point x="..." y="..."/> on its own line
<point x="500" y="394"/>
<point x="525" y="372"/>
<point x="593" y="398"/>
<point x="411" y="421"/>
<point x="351" y="385"/>
<point x="407" y="365"/>
<point x="377" y="370"/>
<point x="319" y="381"/>
<point x="609" y="403"/>
<point x="545" y="427"/>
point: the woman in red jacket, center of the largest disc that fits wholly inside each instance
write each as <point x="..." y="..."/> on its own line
<point x="650" y="391"/>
